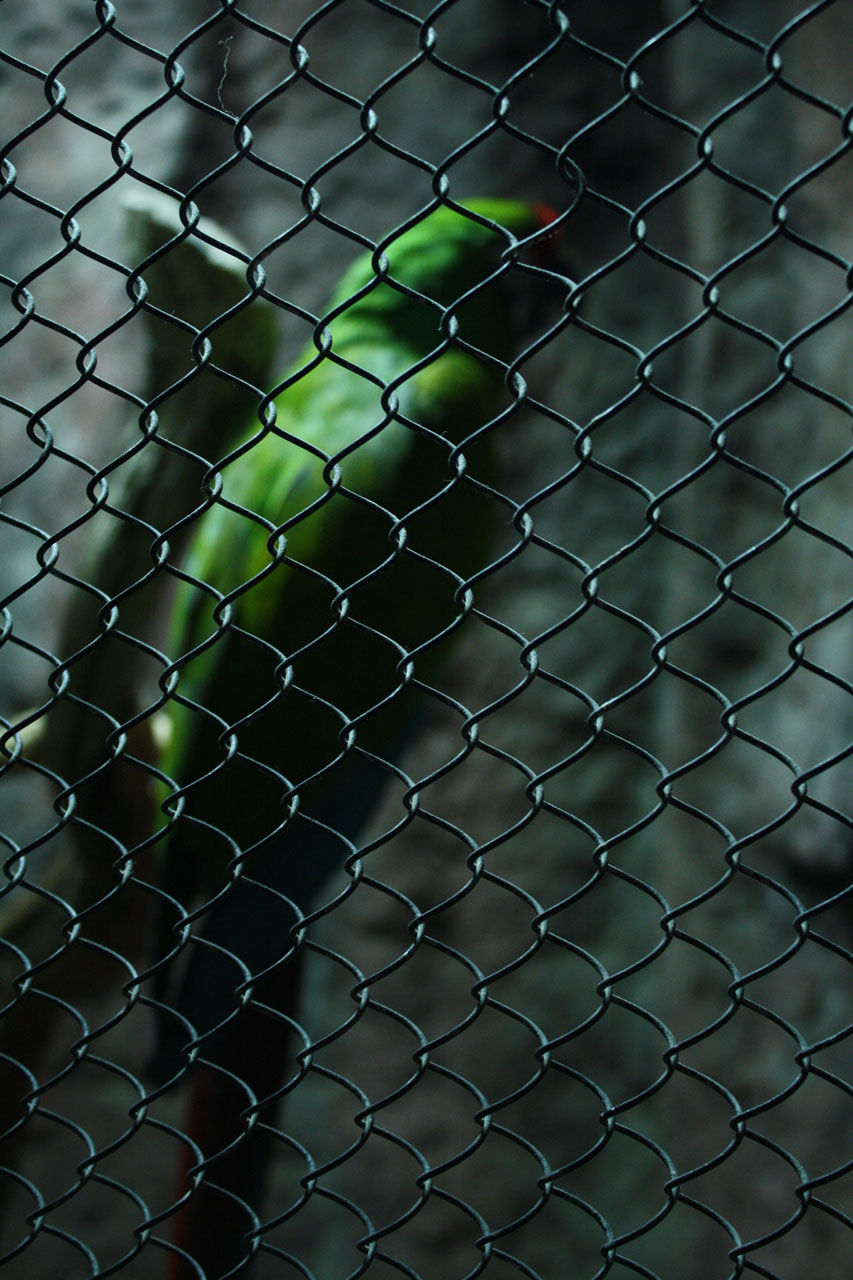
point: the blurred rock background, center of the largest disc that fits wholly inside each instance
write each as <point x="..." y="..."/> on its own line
<point x="654" y="929"/>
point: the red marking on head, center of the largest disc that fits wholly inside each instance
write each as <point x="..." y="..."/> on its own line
<point x="545" y="246"/>
<point x="546" y="213"/>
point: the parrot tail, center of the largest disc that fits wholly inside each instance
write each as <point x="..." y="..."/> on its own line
<point x="211" y="1234"/>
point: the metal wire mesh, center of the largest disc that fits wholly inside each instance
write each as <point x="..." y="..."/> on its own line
<point x="570" y="995"/>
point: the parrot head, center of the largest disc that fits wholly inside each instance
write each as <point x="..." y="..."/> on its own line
<point x="417" y="275"/>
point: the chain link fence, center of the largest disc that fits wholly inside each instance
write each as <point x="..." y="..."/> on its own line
<point x="532" y="960"/>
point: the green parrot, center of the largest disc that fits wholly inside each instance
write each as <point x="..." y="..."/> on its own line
<point x="324" y="583"/>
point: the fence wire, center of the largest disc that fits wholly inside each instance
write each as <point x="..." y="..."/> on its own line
<point x="426" y="705"/>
